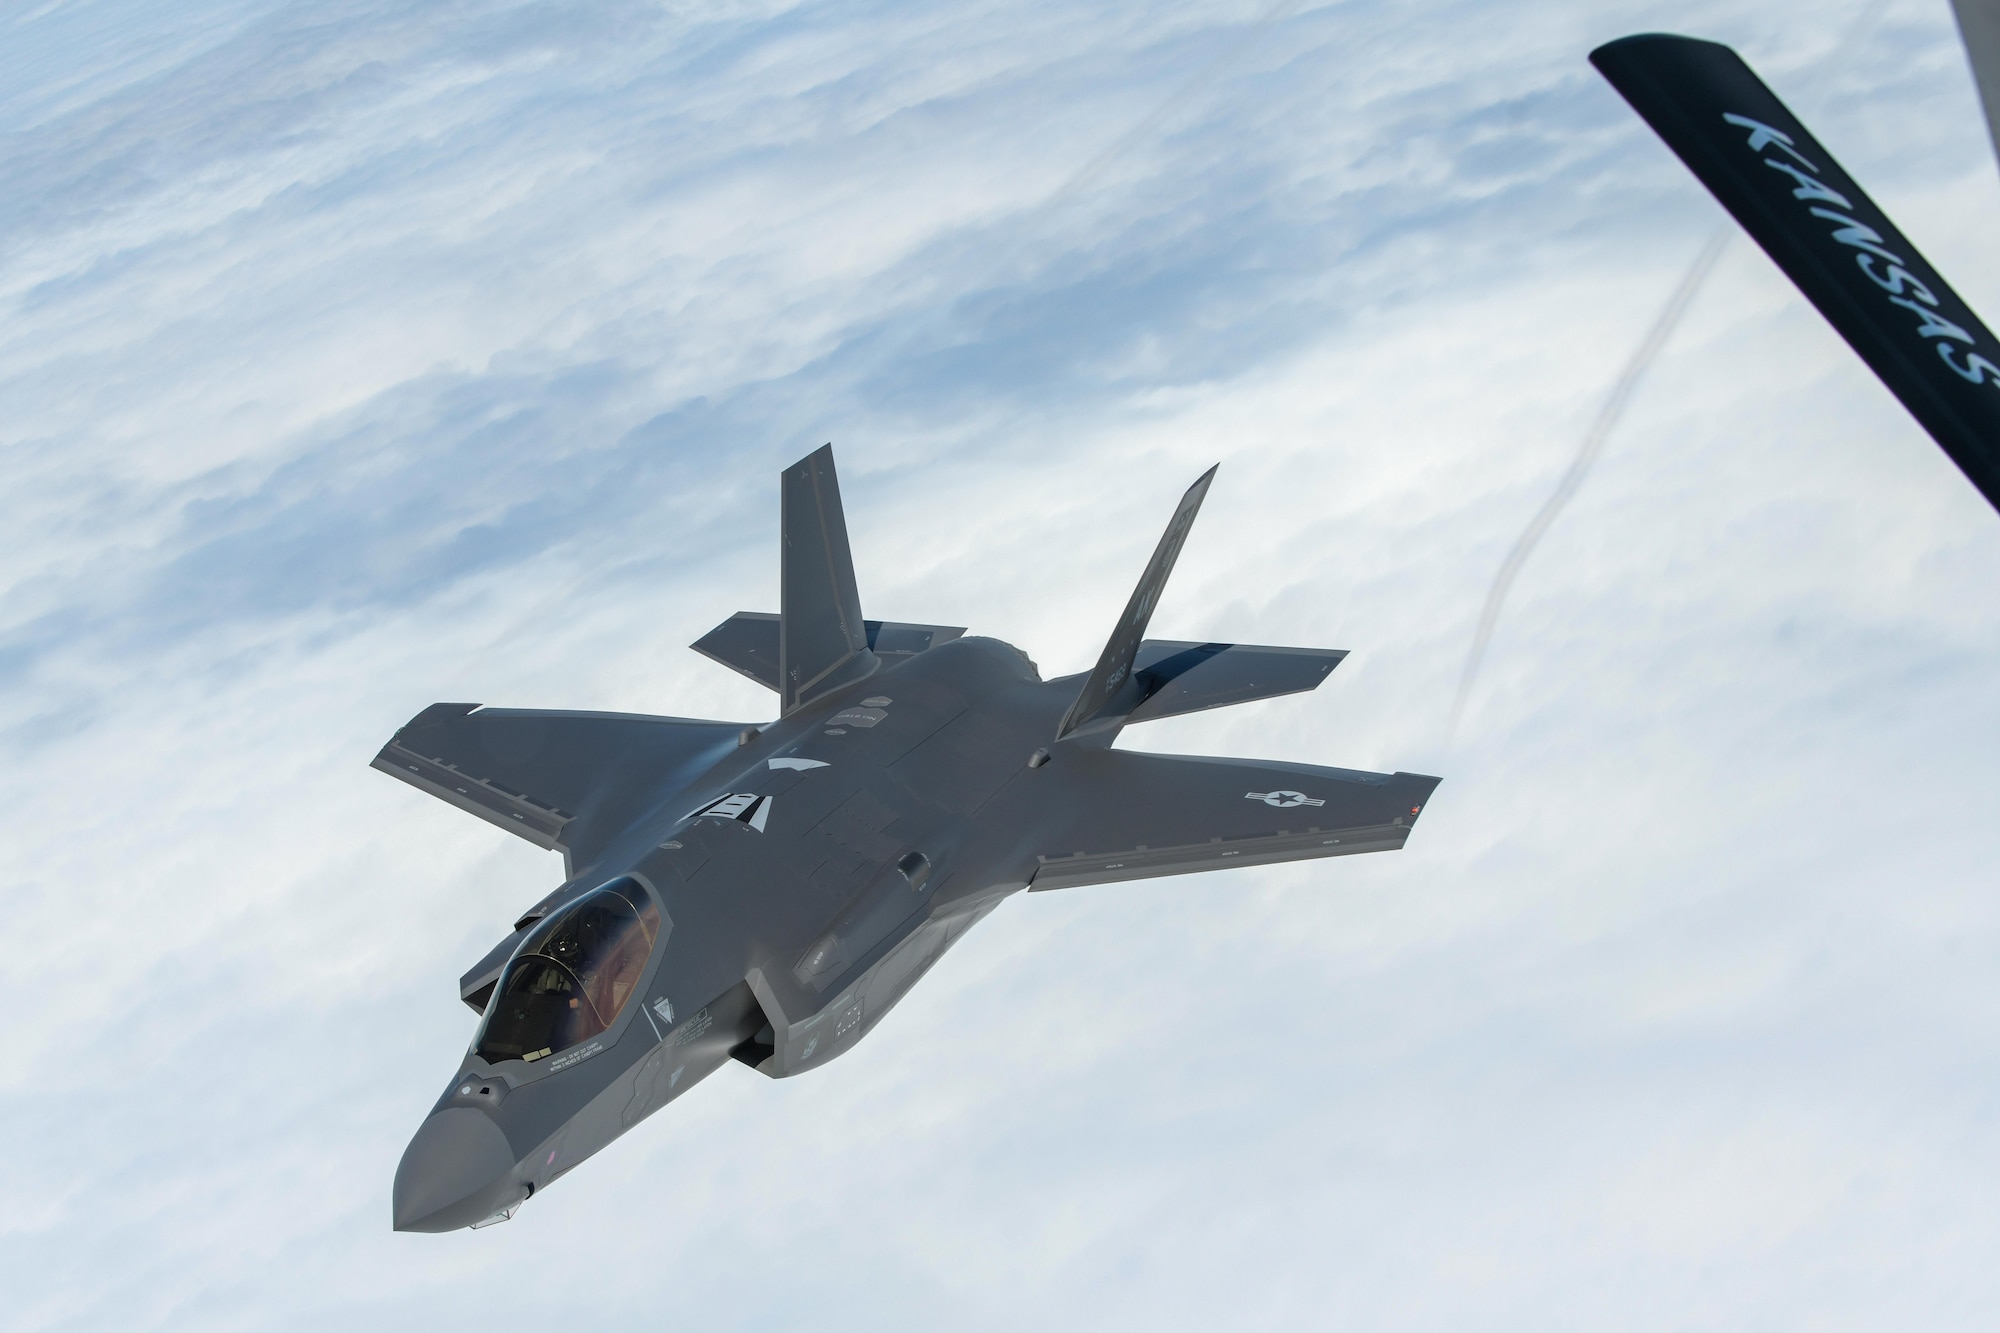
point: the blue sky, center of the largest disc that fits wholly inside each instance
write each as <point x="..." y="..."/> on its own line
<point x="355" y="356"/>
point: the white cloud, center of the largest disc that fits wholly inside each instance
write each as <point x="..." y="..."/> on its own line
<point x="360" y="355"/>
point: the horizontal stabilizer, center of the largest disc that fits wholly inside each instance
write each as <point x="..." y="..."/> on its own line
<point x="1842" y="252"/>
<point x="1174" y="676"/>
<point x="748" y="642"/>
<point x="562" y="780"/>
<point x="1134" y="816"/>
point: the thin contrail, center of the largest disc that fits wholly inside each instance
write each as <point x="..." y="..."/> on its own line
<point x="1607" y="417"/>
<point x="1593" y="444"/>
<point x="1176" y="101"/>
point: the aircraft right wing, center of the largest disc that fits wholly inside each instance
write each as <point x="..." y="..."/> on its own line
<point x="1134" y="816"/>
<point x="562" y="780"/>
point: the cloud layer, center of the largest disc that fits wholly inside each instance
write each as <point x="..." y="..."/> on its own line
<point x="357" y="355"/>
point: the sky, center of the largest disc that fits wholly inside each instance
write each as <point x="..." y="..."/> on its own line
<point x="357" y="354"/>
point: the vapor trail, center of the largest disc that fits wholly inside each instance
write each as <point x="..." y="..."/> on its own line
<point x="1586" y="454"/>
<point x="1607" y="417"/>
<point x="1176" y="101"/>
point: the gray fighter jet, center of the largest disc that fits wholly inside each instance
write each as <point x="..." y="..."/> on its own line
<point x="767" y="893"/>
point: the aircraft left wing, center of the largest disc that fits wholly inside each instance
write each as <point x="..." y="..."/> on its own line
<point x="562" y="780"/>
<point x="1134" y="816"/>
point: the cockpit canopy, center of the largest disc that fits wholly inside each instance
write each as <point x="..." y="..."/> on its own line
<point x="572" y="975"/>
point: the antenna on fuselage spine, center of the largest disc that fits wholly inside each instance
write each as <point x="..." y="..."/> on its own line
<point x="822" y="639"/>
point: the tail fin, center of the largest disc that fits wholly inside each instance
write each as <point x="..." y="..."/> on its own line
<point x="822" y="640"/>
<point x="1104" y="695"/>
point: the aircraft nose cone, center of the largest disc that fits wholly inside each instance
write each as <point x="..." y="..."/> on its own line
<point x="458" y="1170"/>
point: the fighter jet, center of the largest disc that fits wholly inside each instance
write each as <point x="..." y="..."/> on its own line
<point x="765" y="893"/>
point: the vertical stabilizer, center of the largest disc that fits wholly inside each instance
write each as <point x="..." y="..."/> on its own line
<point x="1979" y="26"/>
<point x="1105" y="694"/>
<point x="822" y="640"/>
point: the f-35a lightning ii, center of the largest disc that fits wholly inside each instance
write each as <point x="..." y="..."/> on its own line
<point x="766" y="893"/>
